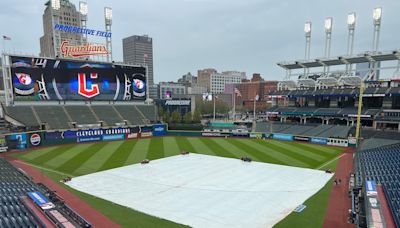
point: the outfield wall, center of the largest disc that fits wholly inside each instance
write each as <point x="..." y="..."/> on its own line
<point x="28" y="140"/>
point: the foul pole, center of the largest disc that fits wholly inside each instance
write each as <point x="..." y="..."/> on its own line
<point x="359" y="110"/>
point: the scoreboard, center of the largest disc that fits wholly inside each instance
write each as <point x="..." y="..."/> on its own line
<point x="60" y="79"/>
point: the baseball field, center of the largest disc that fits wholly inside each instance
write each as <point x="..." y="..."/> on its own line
<point x="75" y="160"/>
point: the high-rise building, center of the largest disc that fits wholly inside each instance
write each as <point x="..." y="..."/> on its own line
<point x="219" y="80"/>
<point x="203" y="77"/>
<point x="139" y="50"/>
<point x="65" y="14"/>
<point x="171" y="90"/>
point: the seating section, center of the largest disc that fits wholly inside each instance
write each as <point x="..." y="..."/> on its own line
<point x="81" y="114"/>
<point x="13" y="184"/>
<point x="319" y="130"/>
<point x="54" y="116"/>
<point x="23" y="114"/>
<point x="130" y="114"/>
<point x="59" y="117"/>
<point x="107" y="114"/>
<point x="382" y="165"/>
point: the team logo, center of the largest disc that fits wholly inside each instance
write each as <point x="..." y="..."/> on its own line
<point x="82" y="50"/>
<point x="35" y="139"/>
<point x="86" y="90"/>
<point x="24" y="79"/>
<point x="23" y="84"/>
<point x="139" y="87"/>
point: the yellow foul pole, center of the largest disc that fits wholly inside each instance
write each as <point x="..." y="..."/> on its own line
<point x="359" y="110"/>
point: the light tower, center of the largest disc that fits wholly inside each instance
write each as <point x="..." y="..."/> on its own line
<point x="351" y="25"/>
<point x="108" y="23"/>
<point x="377" y="17"/>
<point x="55" y="19"/>
<point x="328" y="38"/>
<point x="83" y="10"/>
<point x="307" y="32"/>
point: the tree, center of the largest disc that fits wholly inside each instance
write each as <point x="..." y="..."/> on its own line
<point x="176" y="117"/>
<point x="166" y="117"/>
<point x="188" y="117"/>
<point x="196" y="116"/>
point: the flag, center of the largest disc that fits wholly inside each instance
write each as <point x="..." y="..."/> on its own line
<point x="237" y="92"/>
<point x="257" y="97"/>
<point x="145" y="56"/>
<point x="216" y="97"/>
<point x="6" y="38"/>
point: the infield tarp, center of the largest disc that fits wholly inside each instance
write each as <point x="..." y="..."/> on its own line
<point x="207" y="191"/>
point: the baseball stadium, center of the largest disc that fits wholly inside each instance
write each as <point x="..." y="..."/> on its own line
<point x="83" y="144"/>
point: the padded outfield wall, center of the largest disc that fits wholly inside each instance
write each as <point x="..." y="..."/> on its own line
<point x="29" y="140"/>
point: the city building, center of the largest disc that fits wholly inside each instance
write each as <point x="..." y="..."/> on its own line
<point x="203" y="77"/>
<point x="188" y="79"/>
<point x="64" y="14"/>
<point x="171" y="90"/>
<point x="154" y="91"/>
<point x="249" y="89"/>
<point x="219" y="80"/>
<point x="139" y="50"/>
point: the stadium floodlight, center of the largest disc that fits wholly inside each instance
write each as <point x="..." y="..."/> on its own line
<point x="307" y="28"/>
<point x="351" y="20"/>
<point x="55" y="4"/>
<point x="108" y="13"/>
<point x="83" y="8"/>
<point x="328" y="24"/>
<point x="377" y="14"/>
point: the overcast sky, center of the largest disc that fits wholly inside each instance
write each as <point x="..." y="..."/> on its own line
<point x="243" y="35"/>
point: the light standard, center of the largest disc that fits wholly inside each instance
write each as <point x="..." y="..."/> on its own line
<point x="328" y="38"/>
<point x="307" y="32"/>
<point x="108" y="22"/>
<point x="351" y="25"/>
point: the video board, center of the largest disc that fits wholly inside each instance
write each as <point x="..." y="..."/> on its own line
<point x="56" y="79"/>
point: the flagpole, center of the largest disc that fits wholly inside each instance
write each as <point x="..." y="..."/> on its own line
<point x="234" y="105"/>
<point x="214" y="108"/>
<point x="254" y="110"/>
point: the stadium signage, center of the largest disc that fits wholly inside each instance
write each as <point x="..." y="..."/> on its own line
<point x="282" y="137"/>
<point x="85" y="31"/>
<point x="82" y="50"/>
<point x="35" y="139"/>
<point x="319" y="141"/>
<point x="40" y="200"/>
<point x="370" y="188"/>
<point x="113" y="137"/>
<point x="256" y="135"/>
<point x="177" y="102"/>
<point x="362" y="116"/>
<point x="299" y="138"/>
<point x="3" y="149"/>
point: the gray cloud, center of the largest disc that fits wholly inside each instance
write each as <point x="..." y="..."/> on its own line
<point x="245" y="35"/>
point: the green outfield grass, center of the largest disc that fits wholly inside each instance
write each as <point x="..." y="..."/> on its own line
<point x="75" y="160"/>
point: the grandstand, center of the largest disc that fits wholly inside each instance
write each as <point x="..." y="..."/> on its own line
<point x="70" y="116"/>
<point x="381" y="165"/>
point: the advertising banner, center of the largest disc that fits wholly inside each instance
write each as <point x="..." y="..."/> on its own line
<point x="88" y="139"/>
<point x="17" y="141"/>
<point x="301" y="138"/>
<point x="240" y="134"/>
<point x="215" y="134"/>
<point x="146" y="134"/>
<point x="113" y="137"/>
<point x="159" y="130"/>
<point x="54" y="79"/>
<point x="322" y="141"/>
<point x="284" y="137"/>
<point x="370" y="188"/>
<point x="35" y="139"/>
<point x="256" y="135"/>
<point x="40" y="200"/>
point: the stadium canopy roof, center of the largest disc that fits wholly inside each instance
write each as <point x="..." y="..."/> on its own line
<point x="342" y="60"/>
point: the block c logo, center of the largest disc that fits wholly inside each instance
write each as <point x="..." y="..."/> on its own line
<point x="83" y="89"/>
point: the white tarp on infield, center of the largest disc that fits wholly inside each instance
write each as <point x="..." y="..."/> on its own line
<point x="206" y="191"/>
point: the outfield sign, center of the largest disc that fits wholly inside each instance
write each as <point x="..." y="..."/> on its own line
<point x="79" y="30"/>
<point x="159" y="130"/>
<point x="301" y="138"/>
<point x="322" y="141"/>
<point x="284" y="137"/>
<point x="256" y="135"/>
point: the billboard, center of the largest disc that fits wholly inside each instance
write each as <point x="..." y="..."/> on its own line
<point x="284" y="137"/>
<point x="56" y="79"/>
